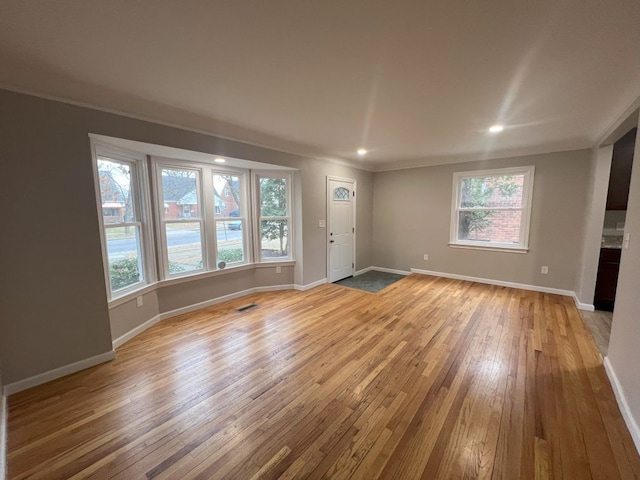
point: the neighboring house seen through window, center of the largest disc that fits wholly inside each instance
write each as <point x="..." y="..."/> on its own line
<point x="492" y="208"/>
<point x="125" y="230"/>
<point x="207" y="217"/>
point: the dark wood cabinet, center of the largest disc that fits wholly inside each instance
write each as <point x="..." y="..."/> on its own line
<point x="620" y="177"/>
<point x="607" y="280"/>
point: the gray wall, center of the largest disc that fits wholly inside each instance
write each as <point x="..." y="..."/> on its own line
<point x="53" y="308"/>
<point x="625" y="326"/>
<point x="412" y="216"/>
<point x="596" y="203"/>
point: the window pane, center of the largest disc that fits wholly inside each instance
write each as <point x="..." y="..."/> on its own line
<point x="226" y="196"/>
<point x="180" y="194"/>
<point x="493" y="191"/>
<point x="230" y="241"/>
<point x="497" y="226"/>
<point x="275" y="238"/>
<point x="341" y="194"/>
<point x="184" y="246"/>
<point x="273" y="197"/>
<point x="123" y="251"/>
<point x="115" y="192"/>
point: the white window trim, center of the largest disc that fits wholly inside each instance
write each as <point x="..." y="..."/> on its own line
<point x="244" y="219"/>
<point x="527" y="197"/>
<point x="140" y="176"/>
<point x="145" y="155"/>
<point x="257" y="234"/>
<point x="162" y="245"/>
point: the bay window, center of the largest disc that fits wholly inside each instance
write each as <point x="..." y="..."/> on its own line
<point x="206" y="217"/>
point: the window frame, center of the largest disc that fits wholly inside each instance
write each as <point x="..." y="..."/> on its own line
<point x="158" y="164"/>
<point x="257" y="216"/>
<point x="525" y="223"/>
<point x="142" y="207"/>
<point x="245" y="219"/>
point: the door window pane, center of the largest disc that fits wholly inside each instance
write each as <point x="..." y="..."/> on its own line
<point x="184" y="246"/>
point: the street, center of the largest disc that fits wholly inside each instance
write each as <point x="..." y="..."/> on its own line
<point x="120" y="247"/>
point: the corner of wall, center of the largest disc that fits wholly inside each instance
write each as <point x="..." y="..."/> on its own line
<point x="593" y="223"/>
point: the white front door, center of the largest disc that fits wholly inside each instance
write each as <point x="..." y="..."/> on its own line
<point x="341" y="201"/>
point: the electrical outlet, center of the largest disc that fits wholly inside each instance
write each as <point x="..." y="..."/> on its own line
<point x="322" y="223"/>
<point x="426" y="256"/>
<point x="278" y="269"/>
<point x="139" y="301"/>
<point x="544" y="270"/>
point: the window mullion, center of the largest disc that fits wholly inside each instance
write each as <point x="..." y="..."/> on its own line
<point x="208" y="213"/>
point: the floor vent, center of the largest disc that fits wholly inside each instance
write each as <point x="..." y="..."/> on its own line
<point x="246" y="307"/>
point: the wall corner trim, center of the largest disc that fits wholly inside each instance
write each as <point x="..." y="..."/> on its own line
<point x="588" y="307"/>
<point x="618" y="391"/>
<point x="309" y="286"/>
<point x="136" y="331"/>
<point x="56" y="373"/>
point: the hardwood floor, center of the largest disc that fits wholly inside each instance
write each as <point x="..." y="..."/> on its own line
<point x="430" y="378"/>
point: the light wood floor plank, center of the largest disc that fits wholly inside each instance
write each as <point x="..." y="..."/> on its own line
<point x="429" y="378"/>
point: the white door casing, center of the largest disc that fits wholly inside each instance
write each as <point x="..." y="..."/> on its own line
<point x="341" y="228"/>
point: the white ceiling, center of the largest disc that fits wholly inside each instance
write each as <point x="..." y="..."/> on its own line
<point x="415" y="82"/>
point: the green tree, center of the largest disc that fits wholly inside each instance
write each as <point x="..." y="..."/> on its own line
<point x="273" y="203"/>
<point x="475" y="193"/>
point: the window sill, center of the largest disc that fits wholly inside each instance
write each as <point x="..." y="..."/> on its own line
<point x="116" y="302"/>
<point x="489" y="248"/>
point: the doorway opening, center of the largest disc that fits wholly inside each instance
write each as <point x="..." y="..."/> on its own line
<point x="613" y="240"/>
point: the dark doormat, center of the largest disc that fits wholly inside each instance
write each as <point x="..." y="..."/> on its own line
<point x="371" y="281"/>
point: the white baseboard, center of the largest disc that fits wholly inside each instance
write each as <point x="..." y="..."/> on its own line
<point x="587" y="307"/>
<point x="364" y="270"/>
<point x="632" y="425"/>
<point x="56" y="373"/>
<point x="309" y="286"/>
<point x="489" y="281"/>
<point x="389" y="270"/>
<point x="3" y="435"/>
<point x="224" y="298"/>
<point x="190" y="308"/>
<point x="135" y="331"/>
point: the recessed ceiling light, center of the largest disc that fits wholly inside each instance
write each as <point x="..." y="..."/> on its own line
<point x="219" y="160"/>
<point x="362" y="151"/>
<point x="496" y="128"/>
